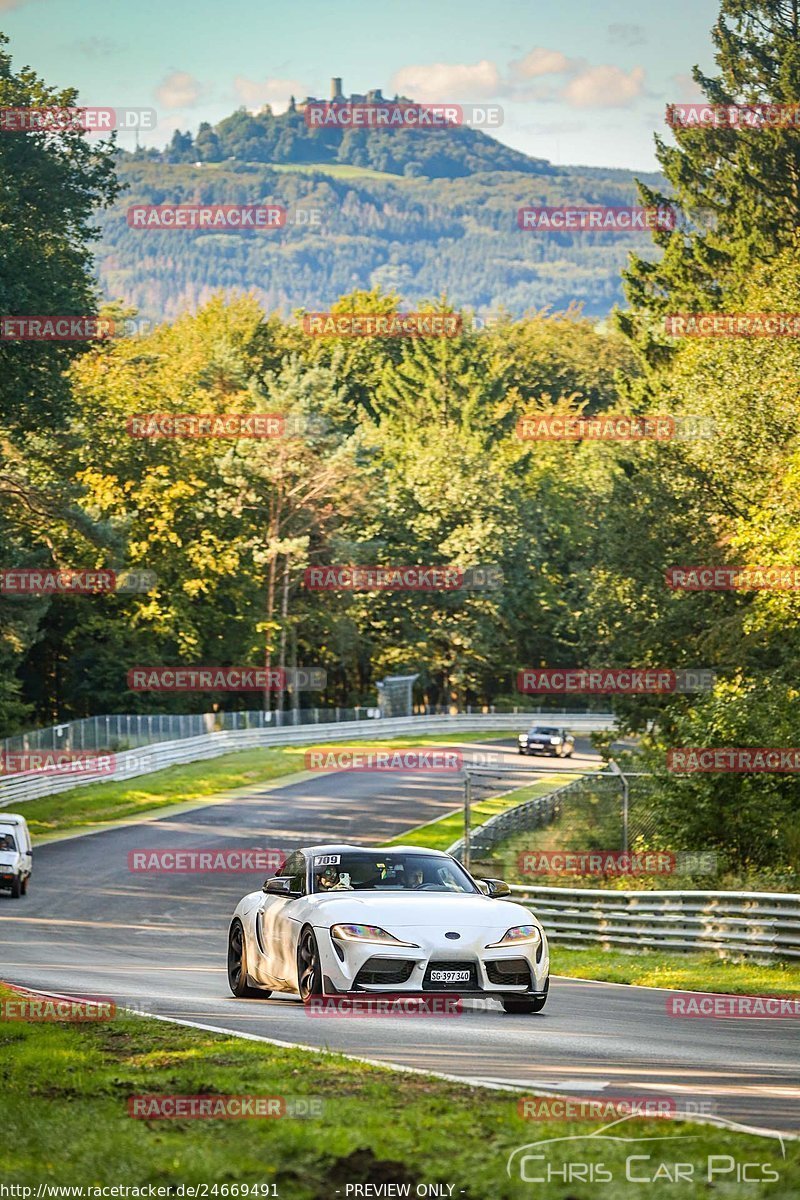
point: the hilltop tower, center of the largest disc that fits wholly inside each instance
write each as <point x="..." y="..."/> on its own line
<point x="337" y="96"/>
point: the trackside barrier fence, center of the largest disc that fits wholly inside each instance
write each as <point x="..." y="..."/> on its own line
<point x="127" y="731"/>
<point x="16" y="789"/>
<point x="758" y="924"/>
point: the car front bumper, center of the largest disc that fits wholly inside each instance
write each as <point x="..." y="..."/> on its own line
<point x="347" y="974"/>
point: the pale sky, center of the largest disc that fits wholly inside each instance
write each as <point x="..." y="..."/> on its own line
<point x="579" y="82"/>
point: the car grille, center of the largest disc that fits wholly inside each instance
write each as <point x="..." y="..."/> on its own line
<point x="385" y="970"/>
<point x="437" y="986"/>
<point x="513" y="971"/>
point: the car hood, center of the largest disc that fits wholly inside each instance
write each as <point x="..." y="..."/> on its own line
<point x="422" y="910"/>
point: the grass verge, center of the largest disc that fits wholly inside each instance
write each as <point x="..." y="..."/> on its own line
<point x="693" y="972"/>
<point x="99" y="804"/>
<point x="64" y="1115"/>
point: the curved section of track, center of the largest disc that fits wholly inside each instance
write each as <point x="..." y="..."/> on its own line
<point x="90" y="926"/>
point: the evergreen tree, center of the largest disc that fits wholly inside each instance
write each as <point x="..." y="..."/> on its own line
<point x="207" y="144"/>
<point x="736" y="186"/>
<point x="181" y="148"/>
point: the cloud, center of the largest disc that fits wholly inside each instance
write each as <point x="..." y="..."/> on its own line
<point x="627" y="34"/>
<point x="549" y="76"/>
<point x="179" y="90"/>
<point x="540" y="61"/>
<point x="97" y="47"/>
<point x="448" y="81"/>
<point x="686" y="90"/>
<point x="604" y="87"/>
<point x="255" y="93"/>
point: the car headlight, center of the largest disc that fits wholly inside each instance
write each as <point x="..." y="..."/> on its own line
<point x="519" y="935"/>
<point x="555" y="741"/>
<point x="366" y="933"/>
<point x="523" y="737"/>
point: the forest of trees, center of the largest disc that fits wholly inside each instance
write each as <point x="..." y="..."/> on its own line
<point x="421" y="237"/>
<point x="423" y="213"/>
<point x="415" y="459"/>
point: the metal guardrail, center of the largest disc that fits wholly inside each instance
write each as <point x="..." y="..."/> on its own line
<point x="127" y="731"/>
<point x="760" y="924"/>
<point x="18" y="788"/>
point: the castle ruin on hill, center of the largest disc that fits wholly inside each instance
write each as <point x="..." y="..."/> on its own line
<point x="337" y="96"/>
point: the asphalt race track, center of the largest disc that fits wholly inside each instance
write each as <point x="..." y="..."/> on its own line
<point x="91" y="927"/>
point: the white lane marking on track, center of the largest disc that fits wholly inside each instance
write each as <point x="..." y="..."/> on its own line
<point x="573" y="1085"/>
<point x="112" y="970"/>
<point x="99" y="924"/>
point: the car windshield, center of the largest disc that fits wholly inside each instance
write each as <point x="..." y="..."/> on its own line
<point x="545" y="729"/>
<point x="377" y="871"/>
<point x="7" y="841"/>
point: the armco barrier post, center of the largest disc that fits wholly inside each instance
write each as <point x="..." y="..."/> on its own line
<point x="467" y="818"/>
<point x="625" y="801"/>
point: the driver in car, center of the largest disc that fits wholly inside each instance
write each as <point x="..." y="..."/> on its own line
<point x="331" y="881"/>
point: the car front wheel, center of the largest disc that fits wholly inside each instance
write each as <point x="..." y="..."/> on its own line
<point x="237" y="966"/>
<point x="309" y="969"/>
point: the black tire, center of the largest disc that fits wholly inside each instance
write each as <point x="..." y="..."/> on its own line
<point x="16" y="888"/>
<point x="237" y="966"/>
<point x="520" y="750"/>
<point x="309" y="969"/>
<point x="24" y="886"/>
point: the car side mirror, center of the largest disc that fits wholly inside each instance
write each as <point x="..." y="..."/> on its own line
<point x="496" y="888"/>
<point x="279" y="885"/>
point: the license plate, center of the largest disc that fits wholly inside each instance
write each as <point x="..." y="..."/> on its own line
<point x="450" y="976"/>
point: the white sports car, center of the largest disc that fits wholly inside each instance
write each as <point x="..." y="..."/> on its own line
<point x="343" y="919"/>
